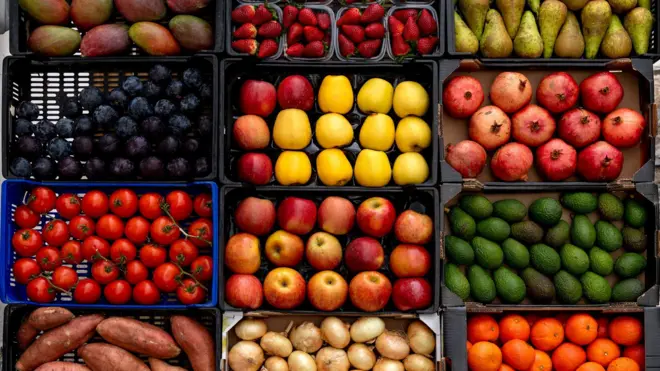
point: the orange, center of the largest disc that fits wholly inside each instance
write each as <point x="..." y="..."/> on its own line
<point x="542" y="361"/>
<point x="518" y="354"/>
<point x="626" y="330"/>
<point x="602" y="327"/>
<point x="568" y="357"/>
<point x="623" y="364"/>
<point x="581" y="329"/>
<point x="603" y="351"/>
<point x="505" y="368"/>
<point x="547" y="334"/>
<point x="590" y="366"/>
<point x="468" y="344"/>
<point x="512" y="327"/>
<point x="484" y="356"/>
<point x="482" y="328"/>
<point x="636" y="353"/>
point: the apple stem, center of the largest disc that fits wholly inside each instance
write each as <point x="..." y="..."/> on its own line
<point x="166" y="208"/>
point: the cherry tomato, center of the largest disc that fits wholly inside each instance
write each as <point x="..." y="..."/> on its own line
<point x="93" y="245"/>
<point x="26" y="242"/>
<point x="164" y="231"/>
<point x="203" y="229"/>
<point x="180" y="205"/>
<point x="25" y="269"/>
<point x="42" y="200"/>
<point x="104" y="272"/>
<point x="137" y="229"/>
<point x="110" y="227"/>
<point x="146" y="293"/>
<point x="202" y="268"/>
<point x="165" y="277"/>
<point x="81" y="227"/>
<point x="123" y="203"/>
<point x="118" y="292"/>
<point x="48" y="258"/>
<point x="183" y="252"/>
<point x="203" y="205"/>
<point x="55" y="233"/>
<point x="71" y="252"/>
<point x="150" y="205"/>
<point x="87" y="291"/>
<point x="136" y="272"/>
<point x="122" y="251"/>
<point x="189" y="293"/>
<point x="68" y="205"/>
<point x="152" y="255"/>
<point x="40" y="291"/>
<point x="65" y="278"/>
<point x="26" y="217"/>
<point x="95" y="204"/>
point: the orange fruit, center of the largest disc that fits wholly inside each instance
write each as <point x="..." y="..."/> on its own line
<point x="603" y="351"/>
<point x="602" y="327"/>
<point x="505" y="368"/>
<point x="626" y="330"/>
<point x="623" y="364"/>
<point x="518" y="354"/>
<point x="636" y="353"/>
<point x="512" y="327"/>
<point x="547" y="334"/>
<point x="581" y="329"/>
<point x="484" y="356"/>
<point x="568" y="357"/>
<point x="468" y="344"/>
<point x="482" y="328"/>
<point x="590" y="366"/>
<point x="542" y="361"/>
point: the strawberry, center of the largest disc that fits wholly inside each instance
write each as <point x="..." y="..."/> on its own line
<point x="375" y="31"/>
<point x="327" y="38"/>
<point x="324" y="20"/>
<point x="346" y="46"/>
<point x="404" y="14"/>
<point x="263" y="14"/>
<point x="270" y="30"/>
<point x="373" y="13"/>
<point x="411" y="31"/>
<point x="315" y="49"/>
<point x="351" y="16"/>
<point x="426" y="23"/>
<point x="243" y="14"/>
<point x="246" y="31"/>
<point x="295" y="50"/>
<point x="399" y="46"/>
<point x="267" y="48"/>
<point x="313" y="34"/>
<point x="369" y="48"/>
<point x="248" y="46"/>
<point x="289" y="15"/>
<point x="355" y="33"/>
<point x="396" y="27"/>
<point x="426" y="45"/>
<point x="295" y="34"/>
<point x="307" y="17"/>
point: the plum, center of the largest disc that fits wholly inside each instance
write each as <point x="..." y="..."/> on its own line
<point x="152" y="167"/>
<point x="28" y="110"/>
<point x="178" y="167"/>
<point x="23" y="127"/>
<point x="45" y="130"/>
<point x="122" y="167"/>
<point x="64" y="127"/>
<point x="160" y="74"/>
<point x="90" y="98"/>
<point x="95" y="168"/>
<point x="71" y="107"/>
<point x="21" y="167"/>
<point x="58" y="148"/>
<point x="83" y="126"/>
<point x="29" y="147"/>
<point x="126" y="127"/>
<point x="43" y="168"/>
<point x="70" y="168"/>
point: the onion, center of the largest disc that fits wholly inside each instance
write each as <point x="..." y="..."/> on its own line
<point x="366" y="329"/>
<point x="301" y="361"/>
<point x="276" y="364"/>
<point x="251" y="329"/>
<point x="245" y="356"/>
<point x="332" y="359"/>
<point x="417" y="362"/>
<point x="306" y="337"/>
<point x="385" y="364"/>
<point x="276" y="344"/>
<point x="361" y="356"/>
<point x="422" y="339"/>
<point x="335" y="332"/>
<point x="393" y="345"/>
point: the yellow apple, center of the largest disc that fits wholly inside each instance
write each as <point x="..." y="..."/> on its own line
<point x="410" y="98"/>
<point x="410" y="168"/>
<point x="335" y="94"/>
<point x="377" y="132"/>
<point x="292" y="129"/>
<point x="412" y="134"/>
<point x="372" y="168"/>
<point x="375" y="96"/>
<point x="333" y="167"/>
<point x="333" y="130"/>
<point x="293" y="167"/>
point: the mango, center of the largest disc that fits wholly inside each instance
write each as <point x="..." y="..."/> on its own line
<point x="49" y="12"/>
<point x="87" y="14"/>
<point x="104" y="40"/>
<point x="54" y="41"/>
<point x="187" y="6"/>
<point x="154" y="39"/>
<point x="141" y="10"/>
<point x="192" y="33"/>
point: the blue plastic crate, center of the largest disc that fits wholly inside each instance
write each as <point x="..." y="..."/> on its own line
<point x="13" y="193"/>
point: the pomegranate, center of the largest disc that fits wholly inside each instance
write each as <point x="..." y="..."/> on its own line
<point x="600" y="162"/>
<point x="579" y="127"/>
<point x="511" y="91"/>
<point x="556" y="160"/>
<point x="466" y="157"/>
<point x="512" y="162"/>
<point x="601" y="92"/>
<point x="623" y="127"/>
<point x="490" y="127"/>
<point x="558" y="92"/>
<point x="532" y="126"/>
<point x="462" y="96"/>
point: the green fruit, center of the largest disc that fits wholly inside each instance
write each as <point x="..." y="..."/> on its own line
<point x="539" y="287"/>
<point x="610" y="207"/>
<point x="596" y="17"/>
<point x="528" y="42"/>
<point x="634" y="239"/>
<point x="634" y="213"/>
<point x="558" y="235"/>
<point x="495" y="41"/>
<point x="510" y="288"/>
<point x="570" y="43"/>
<point x="456" y="281"/>
<point x="462" y="224"/>
<point x="482" y="286"/>
<point x="494" y="229"/>
<point x="608" y="236"/>
<point x="580" y="202"/>
<point x="545" y="259"/>
<point x="627" y="290"/>
<point x="479" y="207"/>
<point x="54" y="41"/>
<point x="552" y="15"/>
<point x="545" y="211"/>
<point x="474" y="12"/>
<point x="192" y="33"/>
<point x="516" y="254"/>
<point x="489" y="254"/>
<point x="465" y="40"/>
<point x="639" y="24"/>
<point x="600" y="261"/>
<point x="569" y="288"/>
<point x="596" y="288"/>
<point x="527" y="232"/>
<point x="458" y="251"/>
<point x="574" y="259"/>
<point x="510" y="210"/>
<point x="583" y="233"/>
<point x="629" y="265"/>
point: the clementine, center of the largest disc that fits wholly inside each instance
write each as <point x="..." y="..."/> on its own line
<point x="542" y="361"/>
<point x="547" y="334"/>
<point x="636" y="353"/>
<point x="484" y="356"/>
<point x="602" y="327"/>
<point x="625" y="330"/>
<point x="512" y="327"/>
<point x="482" y="328"/>
<point x="518" y="354"/>
<point x="623" y="364"/>
<point x="505" y="368"/>
<point x="603" y="351"/>
<point x="468" y="344"/>
<point x="581" y="329"/>
<point x="590" y="366"/>
<point x="568" y="357"/>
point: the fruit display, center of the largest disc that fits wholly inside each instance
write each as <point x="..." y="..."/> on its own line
<point x="329" y="251"/>
<point x="113" y="27"/>
<point x="413" y="30"/>
<point x="111" y="246"/>
<point x="361" y="32"/>
<point x="548" y="248"/>
<point x="308" y="32"/>
<point x="256" y="30"/>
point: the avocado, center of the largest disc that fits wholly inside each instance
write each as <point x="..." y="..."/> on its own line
<point x="462" y="224"/>
<point x="516" y="254"/>
<point x="634" y="213"/>
<point x="479" y="207"/>
<point x="458" y="250"/>
<point x="610" y="207"/>
<point x="527" y="232"/>
<point x="456" y="281"/>
<point x="546" y="211"/>
<point x="600" y="261"/>
<point x="634" y="239"/>
<point x="608" y="236"/>
<point x="489" y="254"/>
<point x="583" y="233"/>
<point x="539" y="287"/>
<point x="510" y="288"/>
<point x="574" y="259"/>
<point x="482" y="286"/>
<point x="558" y="235"/>
<point x="580" y="202"/>
<point x="510" y="210"/>
<point x="494" y="229"/>
<point x="629" y="265"/>
<point x="627" y="290"/>
<point x="545" y="259"/>
<point x="596" y="288"/>
<point x="569" y="288"/>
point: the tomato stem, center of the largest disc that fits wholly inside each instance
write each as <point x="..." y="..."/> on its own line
<point x="54" y="286"/>
<point x="166" y="208"/>
<point x="184" y="273"/>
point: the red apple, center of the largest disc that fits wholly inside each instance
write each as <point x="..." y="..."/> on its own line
<point x="327" y="290"/>
<point x="323" y="251"/>
<point x="284" y="249"/>
<point x="295" y="91"/>
<point x="244" y="291"/>
<point x="284" y="288"/>
<point x="251" y="132"/>
<point x="296" y="215"/>
<point x="257" y="98"/>
<point x="370" y="291"/>
<point x="242" y="253"/>
<point x="255" y="215"/>
<point x="410" y="261"/>
<point x="375" y="216"/>
<point x="413" y="227"/>
<point x="255" y="168"/>
<point x="412" y="293"/>
<point x="336" y="215"/>
<point x="364" y="254"/>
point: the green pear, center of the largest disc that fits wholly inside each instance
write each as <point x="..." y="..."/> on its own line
<point x="622" y="6"/>
<point x="570" y="43"/>
<point x="474" y="12"/>
<point x="575" y="5"/>
<point x="528" y="42"/>
<point x="644" y="4"/>
<point x="596" y="17"/>
<point x="495" y="42"/>
<point x="552" y="15"/>
<point x="534" y="5"/>
<point x="639" y="23"/>
<point x="616" y="42"/>
<point x="512" y="11"/>
<point x="465" y="41"/>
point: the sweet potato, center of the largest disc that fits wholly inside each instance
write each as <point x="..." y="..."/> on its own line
<point x="26" y="335"/>
<point x="47" y="318"/>
<point x="196" y="341"/>
<point x="62" y="366"/>
<point x="106" y="357"/>
<point x="158" y="365"/>
<point x="138" y="337"/>
<point x="58" y="342"/>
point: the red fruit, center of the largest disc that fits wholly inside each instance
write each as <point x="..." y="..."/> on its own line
<point x="307" y="17"/>
<point x="351" y="16"/>
<point x="295" y="91"/>
<point x="412" y="293"/>
<point x="623" y="128"/>
<point x="511" y="91"/>
<point x="600" y="162"/>
<point x="346" y="46"/>
<point x="556" y="160"/>
<point x="313" y="34"/>
<point x="243" y="14"/>
<point x="399" y="46"/>
<point x="411" y="30"/>
<point x="247" y="46"/>
<point x="26" y="217"/>
<point x="268" y="48"/>
<point x="289" y="15"/>
<point x="373" y="13"/>
<point x="490" y="127"/>
<point x="369" y="48"/>
<point x="246" y="31"/>
<point x="558" y="92"/>
<point x="263" y="14"/>
<point x="466" y="157"/>
<point x="375" y="30"/>
<point x="396" y="26"/>
<point x="426" y="22"/>
<point x="532" y="126"/>
<point x="601" y="92"/>
<point x="315" y="49"/>
<point x="294" y="34"/>
<point x="255" y="168"/>
<point x="426" y="45"/>
<point x="295" y="50"/>
<point x="579" y="127"/>
<point x="270" y="30"/>
<point x="462" y="96"/>
<point x="512" y="162"/>
<point x="323" y="20"/>
<point x="355" y="33"/>
<point x="403" y="14"/>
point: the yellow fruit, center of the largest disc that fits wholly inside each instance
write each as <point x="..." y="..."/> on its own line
<point x="335" y="94"/>
<point x="333" y="167"/>
<point x="372" y="168"/>
<point x="375" y="96"/>
<point x="412" y="134"/>
<point x="410" y="168"/>
<point x="292" y="129"/>
<point x="377" y="132"/>
<point x="333" y="130"/>
<point x="410" y="98"/>
<point x="293" y="167"/>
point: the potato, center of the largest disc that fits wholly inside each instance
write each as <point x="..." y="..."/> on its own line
<point x="106" y="357"/>
<point x="158" y="365"/>
<point x="138" y="337"/>
<point x="26" y="335"/>
<point x="47" y="318"/>
<point x="62" y="366"/>
<point x="196" y="341"/>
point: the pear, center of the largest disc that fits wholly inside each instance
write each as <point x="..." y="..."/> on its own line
<point x="534" y="5"/>
<point x="552" y="15"/>
<point x="528" y="42"/>
<point x="596" y="17"/>
<point x="616" y="42"/>
<point x="474" y="12"/>
<point x="575" y="4"/>
<point x="638" y="23"/>
<point x="644" y="4"/>
<point x="570" y="43"/>
<point x="465" y="41"/>
<point x="495" y="42"/>
<point x="622" y="6"/>
<point x="512" y="11"/>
